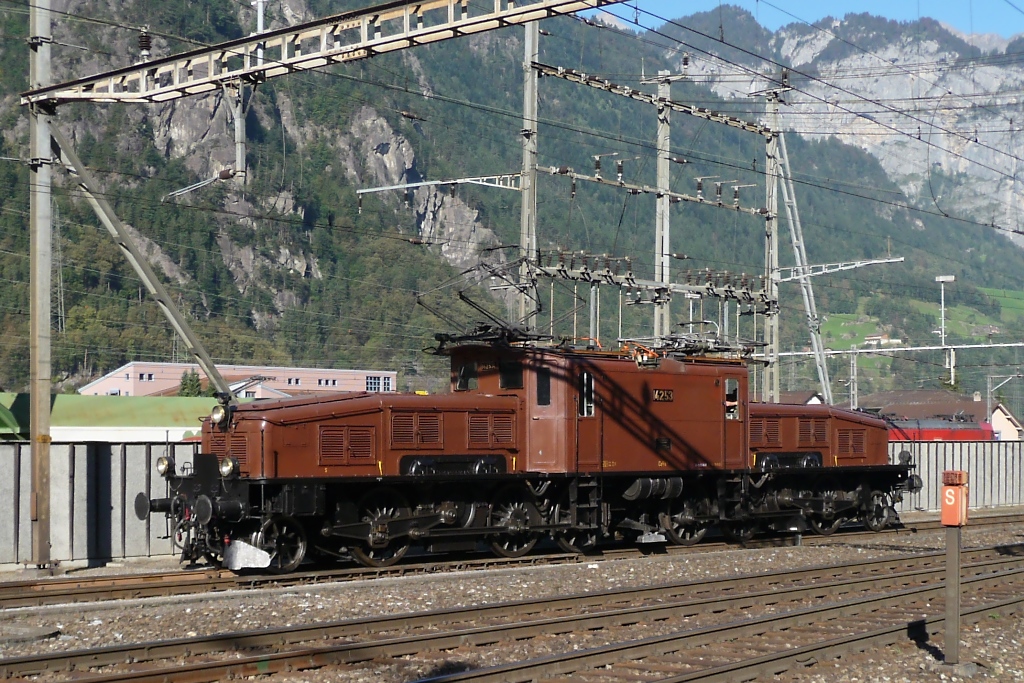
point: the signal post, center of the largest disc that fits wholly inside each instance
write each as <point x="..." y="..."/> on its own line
<point x="954" y="517"/>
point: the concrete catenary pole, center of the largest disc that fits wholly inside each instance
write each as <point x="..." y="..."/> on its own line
<point x="40" y="217"/>
<point x="528" y="216"/>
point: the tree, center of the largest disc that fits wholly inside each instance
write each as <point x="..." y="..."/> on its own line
<point x="190" y="384"/>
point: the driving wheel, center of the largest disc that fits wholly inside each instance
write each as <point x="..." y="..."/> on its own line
<point x="514" y="511"/>
<point x="376" y="509"/>
<point x="285" y="540"/>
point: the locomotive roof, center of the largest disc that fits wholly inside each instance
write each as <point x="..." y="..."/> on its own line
<point x="354" y="402"/>
<point x="683" y="345"/>
<point x="813" y="410"/>
<point x="629" y="351"/>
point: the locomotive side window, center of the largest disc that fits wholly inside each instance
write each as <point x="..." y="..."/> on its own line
<point x="543" y="386"/>
<point x="510" y="374"/>
<point x="467" y="377"/>
<point x="732" y="399"/>
<point x="586" y="395"/>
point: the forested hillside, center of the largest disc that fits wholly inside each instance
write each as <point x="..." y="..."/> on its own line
<point x="289" y="270"/>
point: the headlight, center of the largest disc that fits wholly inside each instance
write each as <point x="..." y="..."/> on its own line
<point x="164" y="465"/>
<point x="228" y="466"/>
<point x="218" y="414"/>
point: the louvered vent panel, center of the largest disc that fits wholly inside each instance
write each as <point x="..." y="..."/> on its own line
<point x="218" y="444"/>
<point x="479" y="430"/>
<point x="806" y="430"/>
<point x="771" y="431"/>
<point x="821" y="431"/>
<point x="360" y="445"/>
<point x="332" y="446"/>
<point x="430" y="429"/>
<point x="757" y="431"/>
<point x="845" y="441"/>
<point x="403" y="430"/>
<point x="859" y="442"/>
<point x="240" y="449"/>
<point x="504" y="430"/>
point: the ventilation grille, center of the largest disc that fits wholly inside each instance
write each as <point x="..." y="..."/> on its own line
<point x="332" y="445"/>
<point x="416" y="430"/>
<point x="360" y="444"/>
<point x="821" y="431"/>
<point x="813" y="431"/>
<point x="504" y="430"/>
<point x="218" y="444"/>
<point x="757" y="431"/>
<point x="492" y="431"/>
<point x="771" y="431"/>
<point x="403" y="430"/>
<point x="479" y="430"/>
<point x="429" y="429"/>
<point x="240" y="449"/>
<point x="852" y="442"/>
<point x="346" y="445"/>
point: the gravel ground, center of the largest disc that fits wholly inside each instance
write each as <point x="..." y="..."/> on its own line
<point x="994" y="650"/>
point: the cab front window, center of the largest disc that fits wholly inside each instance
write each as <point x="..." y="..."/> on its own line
<point x="467" y="377"/>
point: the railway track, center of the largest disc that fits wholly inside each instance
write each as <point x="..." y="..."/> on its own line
<point x="702" y="620"/>
<point x="55" y="591"/>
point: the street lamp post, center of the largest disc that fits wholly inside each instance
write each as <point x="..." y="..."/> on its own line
<point x="950" y="357"/>
<point x="942" y="280"/>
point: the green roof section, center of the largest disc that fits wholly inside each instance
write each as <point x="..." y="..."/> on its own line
<point x="74" y="410"/>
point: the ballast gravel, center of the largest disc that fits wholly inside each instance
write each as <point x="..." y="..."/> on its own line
<point x="992" y="650"/>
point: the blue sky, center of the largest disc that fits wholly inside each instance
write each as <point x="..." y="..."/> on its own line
<point x="982" y="16"/>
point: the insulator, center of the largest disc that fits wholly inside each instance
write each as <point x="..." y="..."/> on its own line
<point x="718" y="192"/>
<point x="572" y="190"/>
<point x="359" y="203"/>
<point x="451" y="191"/>
<point x="618" y="170"/>
<point x="700" y="188"/>
<point x="735" y="196"/>
<point x="145" y="42"/>
<point x="686" y="59"/>
<point x="597" y="166"/>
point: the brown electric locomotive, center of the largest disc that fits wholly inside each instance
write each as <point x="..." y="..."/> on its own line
<point x="577" y="444"/>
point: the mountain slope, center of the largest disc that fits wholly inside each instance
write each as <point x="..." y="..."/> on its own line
<point x="289" y="269"/>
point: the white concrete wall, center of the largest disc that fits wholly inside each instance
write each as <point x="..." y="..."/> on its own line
<point x="93" y="488"/>
<point x="92" y="495"/>
<point x="995" y="470"/>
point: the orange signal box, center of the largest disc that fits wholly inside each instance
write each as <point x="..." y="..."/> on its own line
<point x="954" y="498"/>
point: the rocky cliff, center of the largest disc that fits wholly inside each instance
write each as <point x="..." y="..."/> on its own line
<point x="939" y="109"/>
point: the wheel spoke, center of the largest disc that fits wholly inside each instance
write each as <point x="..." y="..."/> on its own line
<point x="285" y="541"/>
<point x="380" y="506"/>
<point x="514" y="511"/>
